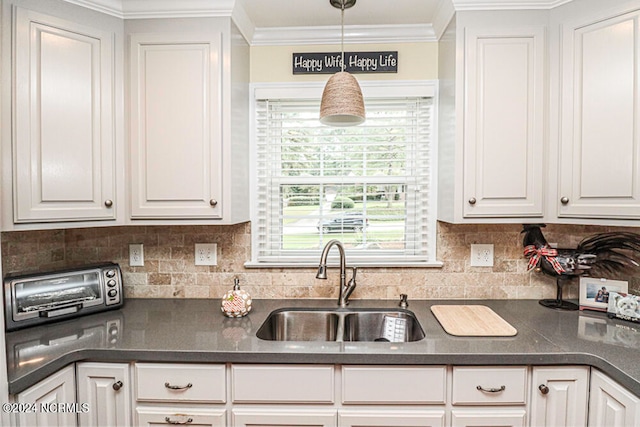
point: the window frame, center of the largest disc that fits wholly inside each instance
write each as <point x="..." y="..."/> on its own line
<point x="313" y="90"/>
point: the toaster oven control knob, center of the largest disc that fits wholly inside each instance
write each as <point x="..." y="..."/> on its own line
<point x="110" y="273"/>
<point x="111" y="283"/>
<point x="112" y="293"/>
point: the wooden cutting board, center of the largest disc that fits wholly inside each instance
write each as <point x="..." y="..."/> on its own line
<point x="472" y="321"/>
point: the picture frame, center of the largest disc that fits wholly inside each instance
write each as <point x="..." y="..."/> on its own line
<point x="594" y="292"/>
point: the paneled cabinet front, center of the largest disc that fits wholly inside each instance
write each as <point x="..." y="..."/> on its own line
<point x="175" y="125"/>
<point x="107" y="390"/>
<point x="504" y="116"/>
<point x="64" y="136"/>
<point x="600" y="146"/>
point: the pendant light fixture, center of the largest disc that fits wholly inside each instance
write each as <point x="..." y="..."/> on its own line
<point x="342" y="103"/>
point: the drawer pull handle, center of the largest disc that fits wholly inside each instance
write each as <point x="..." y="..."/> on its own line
<point x="170" y="421"/>
<point x="178" y="387"/>
<point x="543" y="389"/>
<point x="491" y="390"/>
<point x="117" y="385"/>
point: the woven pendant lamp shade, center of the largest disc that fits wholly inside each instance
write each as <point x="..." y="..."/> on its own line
<point x="342" y="103"/>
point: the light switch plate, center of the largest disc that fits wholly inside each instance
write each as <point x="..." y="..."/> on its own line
<point x="481" y="255"/>
<point x="206" y="254"/>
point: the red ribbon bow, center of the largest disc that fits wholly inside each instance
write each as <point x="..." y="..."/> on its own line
<point x="535" y="255"/>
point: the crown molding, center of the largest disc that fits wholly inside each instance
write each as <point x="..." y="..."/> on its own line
<point x="353" y="34"/>
<point x="507" y="4"/>
<point x="445" y="11"/>
<point x="141" y="9"/>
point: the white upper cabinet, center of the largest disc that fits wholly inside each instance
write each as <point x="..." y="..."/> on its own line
<point x="176" y="130"/>
<point x="492" y="117"/>
<point x="504" y="82"/>
<point x="64" y="162"/>
<point x="184" y="117"/>
<point x="599" y="175"/>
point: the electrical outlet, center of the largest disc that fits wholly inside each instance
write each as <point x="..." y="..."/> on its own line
<point x="136" y="255"/>
<point x="206" y="254"/>
<point x="481" y="255"/>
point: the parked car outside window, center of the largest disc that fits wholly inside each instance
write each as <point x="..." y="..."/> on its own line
<point x="350" y="221"/>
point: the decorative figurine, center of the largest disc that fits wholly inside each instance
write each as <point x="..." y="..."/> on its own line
<point x="599" y="254"/>
<point x="236" y="302"/>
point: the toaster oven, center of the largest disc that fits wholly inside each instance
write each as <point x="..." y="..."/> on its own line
<point x="36" y="298"/>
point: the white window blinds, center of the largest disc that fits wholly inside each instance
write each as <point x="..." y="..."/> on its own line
<point x="368" y="186"/>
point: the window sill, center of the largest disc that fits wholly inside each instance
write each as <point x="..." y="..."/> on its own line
<point x="367" y="264"/>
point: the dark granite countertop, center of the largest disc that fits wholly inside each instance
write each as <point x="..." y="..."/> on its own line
<point x="194" y="330"/>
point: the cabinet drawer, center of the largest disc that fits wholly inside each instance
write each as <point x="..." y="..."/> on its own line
<point x="489" y="385"/>
<point x="393" y="385"/>
<point x="180" y="382"/>
<point x="282" y="383"/>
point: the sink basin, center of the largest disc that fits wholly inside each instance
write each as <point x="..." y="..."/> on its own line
<point x="394" y="326"/>
<point x="295" y="324"/>
<point x="299" y="325"/>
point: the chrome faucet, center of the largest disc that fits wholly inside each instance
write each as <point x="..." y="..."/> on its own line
<point x="345" y="289"/>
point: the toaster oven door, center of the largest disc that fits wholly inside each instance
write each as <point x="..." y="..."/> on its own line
<point x="55" y="295"/>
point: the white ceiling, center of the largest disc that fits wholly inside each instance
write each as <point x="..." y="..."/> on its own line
<point x="313" y="13"/>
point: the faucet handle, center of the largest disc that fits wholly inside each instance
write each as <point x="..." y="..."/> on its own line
<point x="355" y="271"/>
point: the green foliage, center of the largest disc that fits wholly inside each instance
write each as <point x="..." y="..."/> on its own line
<point x="342" y="203"/>
<point x="303" y="201"/>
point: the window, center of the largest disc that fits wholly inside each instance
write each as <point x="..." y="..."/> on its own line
<point x="369" y="186"/>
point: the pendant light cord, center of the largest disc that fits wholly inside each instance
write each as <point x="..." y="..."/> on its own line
<point x="342" y="34"/>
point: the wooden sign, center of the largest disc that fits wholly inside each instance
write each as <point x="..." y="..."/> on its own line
<point x="355" y="62"/>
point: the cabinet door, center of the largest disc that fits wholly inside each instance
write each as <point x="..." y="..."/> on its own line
<point x="494" y="417"/>
<point x="106" y="388"/>
<point x="283" y="417"/>
<point x="504" y="122"/>
<point x="175" y="126"/>
<point x="600" y="147"/>
<point x="610" y="404"/>
<point x="559" y="396"/>
<point x="391" y="417"/>
<point x="180" y="415"/>
<point x="58" y="389"/>
<point x="64" y="122"/>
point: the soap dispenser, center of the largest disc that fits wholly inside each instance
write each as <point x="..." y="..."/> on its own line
<point x="236" y="302"/>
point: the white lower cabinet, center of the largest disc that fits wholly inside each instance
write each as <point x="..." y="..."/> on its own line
<point x="483" y="417"/>
<point x="107" y="390"/>
<point x="189" y="394"/>
<point x="610" y="404"/>
<point x="183" y="415"/>
<point x="287" y="395"/>
<point x="47" y="403"/>
<point x="283" y="417"/>
<point x="489" y="396"/>
<point x="559" y="396"/>
<point x="388" y="417"/>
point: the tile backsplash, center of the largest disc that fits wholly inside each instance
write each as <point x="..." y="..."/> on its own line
<point x="169" y="270"/>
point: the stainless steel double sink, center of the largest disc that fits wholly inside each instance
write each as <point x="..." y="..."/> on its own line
<point x="341" y="324"/>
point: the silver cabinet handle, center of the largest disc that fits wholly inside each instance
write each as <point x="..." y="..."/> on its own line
<point x="213" y="202"/>
<point x="178" y="387"/>
<point x="543" y="389"/>
<point x="117" y="385"/>
<point x="491" y="390"/>
<point x="564" y="200"/>
<point x="108" y="203"/>
<point x="472" y="201"/>
<point x="170" y="421"/>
